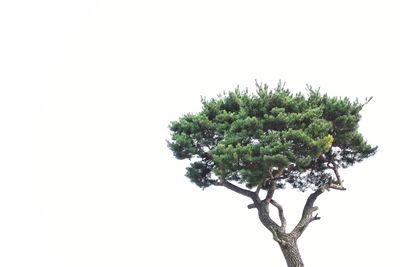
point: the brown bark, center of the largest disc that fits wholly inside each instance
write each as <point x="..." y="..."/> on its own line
<point x="291" y="253"/>
<point x="286" y="241"/>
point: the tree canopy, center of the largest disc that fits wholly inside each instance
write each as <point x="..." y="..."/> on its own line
<point x="270" y="135"/>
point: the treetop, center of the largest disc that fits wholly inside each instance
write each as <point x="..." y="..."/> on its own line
<point x="270" y="135"/>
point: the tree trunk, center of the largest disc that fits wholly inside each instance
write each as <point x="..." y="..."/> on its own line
<point x="292" y="254"/>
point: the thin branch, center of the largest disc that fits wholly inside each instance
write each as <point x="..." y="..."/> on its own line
<point x="337" y="187"/>
<point x="259" y="187"/>
<point x="265" y="202"/>
<point x="237" y="189"/>
<point x="336" y="171"/>
<point x="281" y="215"/>
<point x="252" y="206"/>
<point x="332" y="165"/>
<point x="276" y="176"/>
<point x="271" y="176"/>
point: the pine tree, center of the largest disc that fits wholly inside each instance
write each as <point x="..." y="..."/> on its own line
<point x="256" y="144"/>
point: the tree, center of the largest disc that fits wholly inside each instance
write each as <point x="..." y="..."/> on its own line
<point x="256" y="144"/>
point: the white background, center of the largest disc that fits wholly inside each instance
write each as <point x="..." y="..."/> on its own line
<point x="88" y="88"/>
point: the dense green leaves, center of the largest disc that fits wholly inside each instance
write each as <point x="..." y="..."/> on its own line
<point x="249" y="137"/>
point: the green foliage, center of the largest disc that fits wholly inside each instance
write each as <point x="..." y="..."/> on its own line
<point x="246" y="137"/>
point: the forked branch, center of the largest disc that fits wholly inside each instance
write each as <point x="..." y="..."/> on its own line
<point x="309" y="208"/>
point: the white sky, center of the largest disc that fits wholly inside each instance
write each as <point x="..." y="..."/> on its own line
<point x="87" y="89"/>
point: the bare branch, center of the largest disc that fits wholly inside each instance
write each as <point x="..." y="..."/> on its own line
<point x="263" y="213"/>
<point x="332" y="165"/>
<point x="316" y="217"/>
<point x="237" y="189"/>
<point x="337" y="187"/>
<point x="281" y="215"/>
<point x="267" y="199"/>
<point x="251" y="206"/>
<point x="309" y="208"/>
<point x="269" y="196"/>
<point x="259" y="187"/>
<point x="336" y="171"/>
<point x="267" y="221"/>
<point x="265" y="202"/>
<point x="270" y="192"/>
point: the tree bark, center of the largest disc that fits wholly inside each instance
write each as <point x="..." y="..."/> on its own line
<point x="286" y="241"/>
<point x="291" y="253"/>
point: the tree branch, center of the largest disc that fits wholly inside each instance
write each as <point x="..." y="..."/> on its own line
<point x="281" y="215"/>
<point x="336" y="171"/>
<point x="309" y="208"/>
<point x="270" y="194"/>
<point x="263" y="212"/>
<point x="259" y="187"/>
<point x="267" y="199"/>
<point x="262" y="206"/>
<point x="337" y="187"/>
<point x="279" y="173"/>
<point x="257" y="203"/>
<point x="271" y="191"/>
<point x="332" y="165"/>
<point x="237" y="189"/>
<point x="253" y="205"/>
<point x="267" y="221"/>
